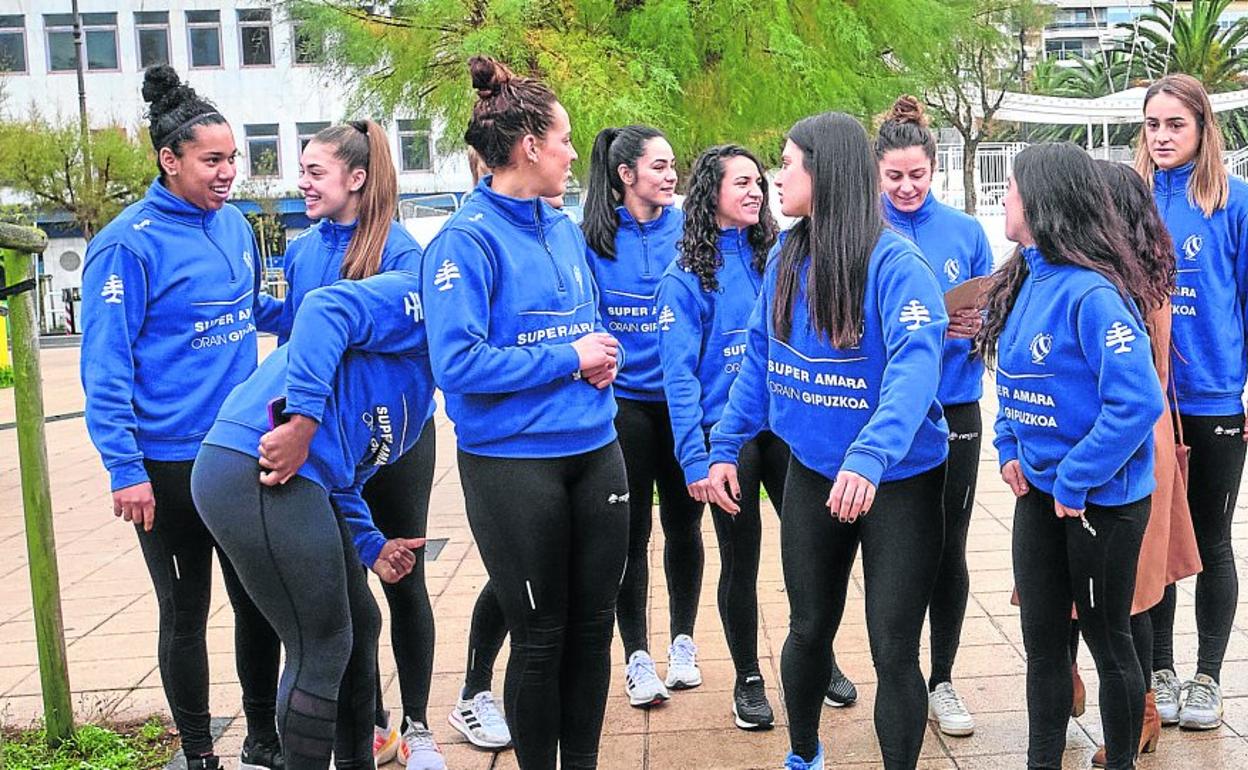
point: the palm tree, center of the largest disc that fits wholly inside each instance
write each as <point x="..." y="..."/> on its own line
<point x="1170" y="39"/>
<point x="1100" y="74"/>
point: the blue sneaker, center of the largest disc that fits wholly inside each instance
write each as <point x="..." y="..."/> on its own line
<point x="794" y="762"/>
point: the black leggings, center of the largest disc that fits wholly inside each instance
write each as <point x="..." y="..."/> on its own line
<point x="294" y="555"/>
<point x="953" y="582"/>
<point x="1217" y="463"/>
<point x="646" y="441"/>
<point x="763" y="462"/>
<point x="901" y="544"/>
<point x="1141" y="639"/>
<point x="485" y="638"/>
<point x="1057" y="562"/>
<point x="398" y="496"/>
<point x="553" y="534"/>
<point x="178" y="552"/>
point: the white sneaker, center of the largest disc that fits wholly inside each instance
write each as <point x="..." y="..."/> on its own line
<point x="1202" y="709"/>
<point x="946" y="707"/>
<point x="642" y="682"/>
<point x="386" y="742"/>
<point x="682" y="664"/>
<point x="481" y="722"/>
<point x="419" y="751"/>
<point x="1168" y="689"/>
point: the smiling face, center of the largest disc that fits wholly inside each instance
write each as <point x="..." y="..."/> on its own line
<point x="330" y="189"/>
<point x="1171" y="131"/>
<point x="653" y="183"/>
<point x="906" y="177"/>
<point x="740" y="193"/>
<point x="204" y="173"/>
<point x="793" y="183"/>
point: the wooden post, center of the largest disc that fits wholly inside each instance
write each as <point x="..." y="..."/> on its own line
<point x="17" y="244"/>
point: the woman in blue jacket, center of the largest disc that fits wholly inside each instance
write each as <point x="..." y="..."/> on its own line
<point x="171" y="298"/>
<point x="517" y="347"/>
<point x="1078" y="399"/>
<point x="350" y="390"/>
<point x="349" y="185"/>
<point x="840" y="352"/>
<point x="632" y="227"/>
<point x="1206" y="212"/>
<point x="705" y="297"/>
<point x="956" y="249"/>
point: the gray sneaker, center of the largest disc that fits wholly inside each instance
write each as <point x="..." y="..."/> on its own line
<point x="1166" y="685"/>
<point x="1202" y="709"/>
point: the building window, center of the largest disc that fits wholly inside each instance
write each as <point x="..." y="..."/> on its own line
<point x="203" y="29"/>
<point x="152" y="30"/>
<point x="12" y="44"/>
<point x="263" y="149"/>
<point x="309" y="45"/>
<point x="1070" y="47"/>
<point x="307" y="131"/>
<point x="414" y="145"/>
<point x="99" y="35"/>
<point x="255" y="27"/>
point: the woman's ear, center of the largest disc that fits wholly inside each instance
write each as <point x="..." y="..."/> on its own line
<point x="170" y="163"/>
<point x="356" y="180"/>
<point x="626" y="174"/>
<point x="528" y="147"/>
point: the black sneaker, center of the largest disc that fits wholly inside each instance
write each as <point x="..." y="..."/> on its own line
<point x="207" y="762"/>
<point x="749" y="705"/>
<point x="261" y="754"/>
<point x="841" y="691"/>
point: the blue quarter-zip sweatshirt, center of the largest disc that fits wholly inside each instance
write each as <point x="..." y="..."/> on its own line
<point x="702" y="336"/>
<point x="871" y="409"/>
<point x="314" y="259"/>
<point x="358" y="364"/>
<point x="507" y="291"/>
<point x="1210" y="358"/>
<point x="169" y="298"/>
<point x="1077" y="390"/>
<point x="956" y="248"/>
<point x="627" y="288"/>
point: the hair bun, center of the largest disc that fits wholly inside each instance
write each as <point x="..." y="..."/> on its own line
<point x="907" y="109"/>
<point x="488" y="75"/>
<point x="160" y="84"/>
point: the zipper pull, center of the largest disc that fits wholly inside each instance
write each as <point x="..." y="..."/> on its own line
<point x="1084" y="521"/>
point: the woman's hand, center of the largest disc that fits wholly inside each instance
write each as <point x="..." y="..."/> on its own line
<point x="284" y="449"/>
<point x="851" y="497"/>
<point x="701" y="491"/>
<point x="964" y="324"/>
<point x="137" y="504"/>
<point x="1012" y="472"/>
<point x="397" y="558"/>
<point x="595" y="350"/>
<point x="1064" y="512"/>
<point x="602" y="376"/>
<point x="723" y="486"/>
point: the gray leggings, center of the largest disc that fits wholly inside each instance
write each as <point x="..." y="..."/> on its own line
<point x="294" y="556"/>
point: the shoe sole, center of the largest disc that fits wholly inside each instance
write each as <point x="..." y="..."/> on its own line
<point x="645" y="704"/>
<point x="1189" y="725"/>
<point x="465" y="731"/>
<point x="1170" y="721"/>
<point x="747" y="725"/>
<point x="836" y="704"/>
<point x="956" y="732"/>
<point x="386" y="756"/>
<point x="249" y="766"/>
<point x="683" y="684"/>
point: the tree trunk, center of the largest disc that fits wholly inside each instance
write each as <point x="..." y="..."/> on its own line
<point x="969" y="165"/>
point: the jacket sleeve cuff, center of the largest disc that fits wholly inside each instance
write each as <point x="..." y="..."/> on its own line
<point x="1069" y="497"/>
<point x="306" y="403"/>
<point x="1007" y="450"/>
<point x="865" y="465"/>
<point x="696" y="471"/>
<point x="567" y="361"/>
<point x="127" y="474"/>
<point x="369" y="544"/>
<point x="724" y="452"/>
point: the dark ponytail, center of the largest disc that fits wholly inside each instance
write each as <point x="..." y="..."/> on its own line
<point x="174" y="110"/>
<point x="613" y="147"/>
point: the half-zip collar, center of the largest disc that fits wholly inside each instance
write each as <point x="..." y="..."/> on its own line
<point x="643" y="229"/>
<point x="336" y="236"/>
<point x="529" y="213"/>
<point x="1039" y="267"/>
<point x="169" y="206"/>
<point x="734" y="243"/>
<point x="909" y="219"/>
<point x="1172" y="183"/>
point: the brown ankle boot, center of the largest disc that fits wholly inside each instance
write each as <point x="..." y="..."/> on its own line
<point x="1149" y="736"/>
<point x="1079" y="703"/>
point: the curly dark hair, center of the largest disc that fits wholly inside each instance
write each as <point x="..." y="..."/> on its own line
<point x="1150" y="240"/>
<point x="698" y="248"/>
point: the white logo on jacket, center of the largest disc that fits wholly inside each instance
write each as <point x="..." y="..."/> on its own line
<point x="412" y="307"/>
<point x="445" y="276"/>
<point x="914" y="314"/>
<point x="141" y="225"/>
<point x="580" y="281"/>
<point x="952" y="271"/>
<point x="114" y="290"/>
<point x="1040" y="347"/>
<point x="1118" y="337"/>
<point x="1192" y="246"/>
<point x="666" y="318"/>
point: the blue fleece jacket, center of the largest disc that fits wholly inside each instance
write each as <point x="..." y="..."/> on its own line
<point x="314" y="259"/>
<point x="170" y="298"/>
<point x="1210" y="360"/>
<point x="702" y="338"/>
<point x="358" y="364"/>
<point x="956" y="248"/>
<point x="507" y="292"/>
<point x="870" y="409"/>
<point x="627" y="287"/>
<point x="1077" y="389"/>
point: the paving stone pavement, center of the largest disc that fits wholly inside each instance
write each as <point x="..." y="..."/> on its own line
<point x="110" y="624"/>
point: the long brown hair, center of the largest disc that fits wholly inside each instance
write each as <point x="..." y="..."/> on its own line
<point x="1146" y="233"/>
<point x="1209" y="186"/>
<point x="364" y="144"/>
